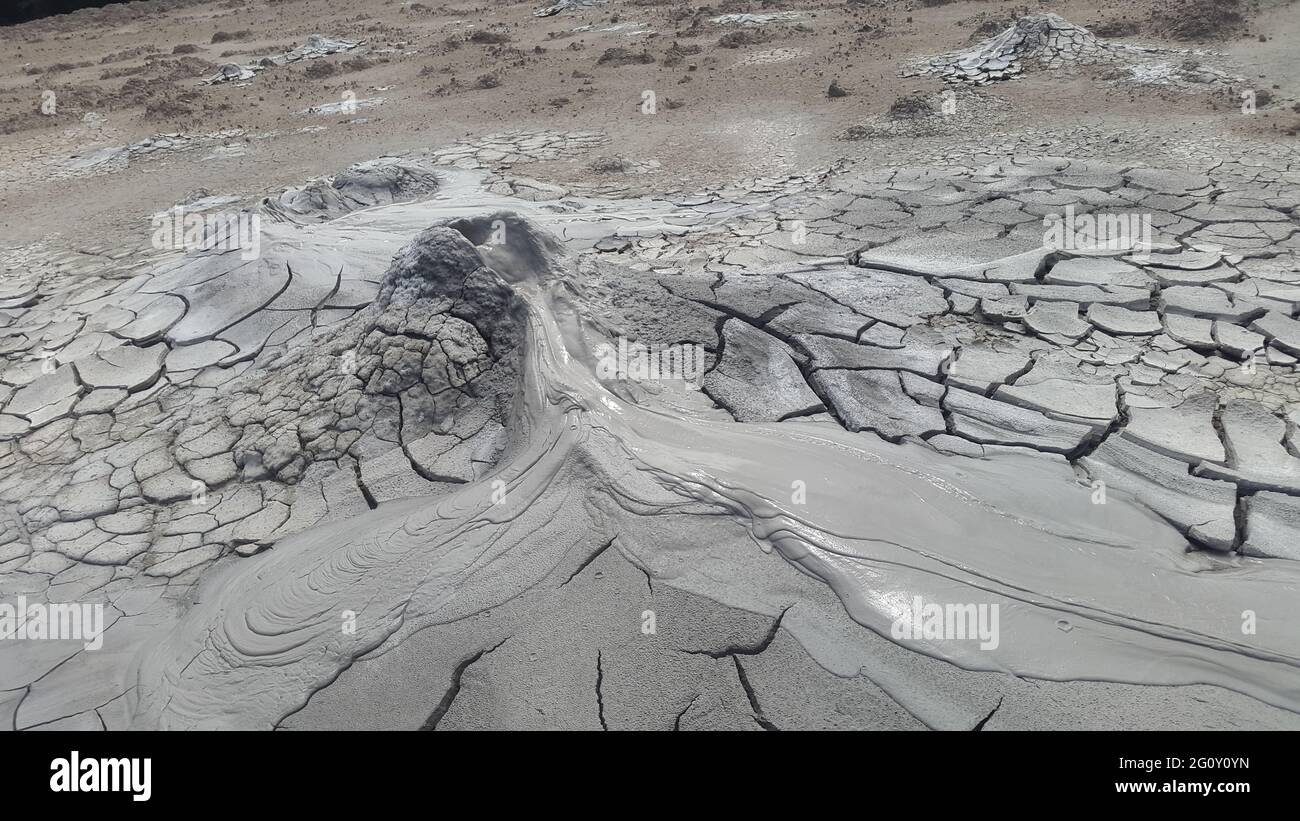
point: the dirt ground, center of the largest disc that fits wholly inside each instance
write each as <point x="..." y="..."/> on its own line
<point x="731" y="100"/>
<point x="945" y="273"/>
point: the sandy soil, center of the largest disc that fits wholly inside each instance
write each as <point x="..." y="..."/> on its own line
<point x="135" y="71"/>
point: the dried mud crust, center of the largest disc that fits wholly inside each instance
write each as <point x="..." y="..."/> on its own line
<point x="917" y="306"/>
<point x="168" y="419"/>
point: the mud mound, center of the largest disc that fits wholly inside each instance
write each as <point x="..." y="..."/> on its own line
<point x="414" y="389"/>
<point x="317" y="45"/>
<point x="442" y="266"/>
<point x="374" y="182"/>
<point x="912" y="106"/>
<point x="1045" y="39"/>
<point x="963" y="111"/>
<point x="619" y="56"/>
<point x="566" y="5"/>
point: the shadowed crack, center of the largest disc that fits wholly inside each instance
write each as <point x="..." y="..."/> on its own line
<point x="1014" y="376"/>
<point x="649" y="580"/>
<point x="735" y="652"/>
<point x="27" y="690"/>
<point x="677" y="722"/>
<point x="753" y="698"/>
<point x="1239" y="507"/>
<point x="746" y="649"/>
<point x="730" y="312"/>
<point x="361" y="486"/>
<point x="1240" y="517"/>
<point x="323" y="301"/>
<point x="600" y="697"/>
<point x="1095" y="440"/>
<point x="431" y="723"/>
<point x="66" y="716"/>
<point x="978" y="727"/>
<point x="804" y="363"/>
<point x="810" y="411"/>
<point x="595" y="555"/>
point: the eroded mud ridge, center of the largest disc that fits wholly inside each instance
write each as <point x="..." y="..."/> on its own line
<point x="380" y="475"/>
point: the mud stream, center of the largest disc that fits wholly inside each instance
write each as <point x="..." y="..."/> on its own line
<point x="1085" y="592"/>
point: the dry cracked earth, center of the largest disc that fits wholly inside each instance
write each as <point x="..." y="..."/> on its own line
<point x="381" y="473"/>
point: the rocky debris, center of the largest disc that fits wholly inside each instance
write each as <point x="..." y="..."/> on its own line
<point x="232" y="73"/>
<point x="768" y="57"/>
<point x="106" y="160"/>
<point x="561" y="6"/>
<point x="317" y="45"/>
<point x="343" y="106"/>
<point x="919" y="115"/>
<point x="1048" y="41"/>
<point x="761" y="19"/>
<point x="373" y="182"/>
<point x="619" y="56"/>
<point x="744" y="37"/>
<point x="611" y="165"/>
<point x="678" y="52"/>
<point x="911" y="106"/>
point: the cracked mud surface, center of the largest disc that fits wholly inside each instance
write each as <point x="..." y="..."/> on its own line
<point x="377" y="477"/>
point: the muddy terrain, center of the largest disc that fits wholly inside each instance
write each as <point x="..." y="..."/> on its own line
<point x="651" y="365"/>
